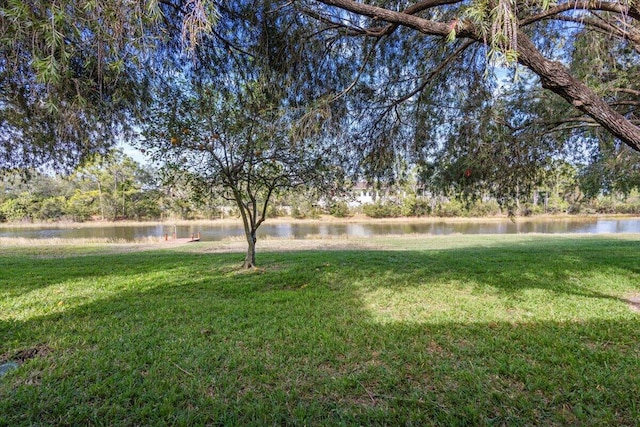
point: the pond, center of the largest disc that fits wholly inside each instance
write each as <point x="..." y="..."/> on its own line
<point x="301" y="230"/>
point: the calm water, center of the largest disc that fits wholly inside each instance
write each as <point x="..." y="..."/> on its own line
<point x="302" y="231"/>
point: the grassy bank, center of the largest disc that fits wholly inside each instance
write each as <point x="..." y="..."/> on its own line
<point x="460" y="330"/>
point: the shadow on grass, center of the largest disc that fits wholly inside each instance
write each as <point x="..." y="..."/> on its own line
<point x="299" y="343"/>
<point x="563" y="266"/>
<point x="22" y="274"/>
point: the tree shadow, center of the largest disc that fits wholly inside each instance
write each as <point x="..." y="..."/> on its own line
<point x="562" y="266"/>
<point x="296" y="343"/>
<point x="22" y="274"/>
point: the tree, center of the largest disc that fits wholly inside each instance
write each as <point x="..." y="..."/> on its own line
<point x="115" y="177"/>
<point x="34" y="197"/>
<point x="240" y="146"/>
<point x="113" y="186"/>
<point x="241" y="116"/>
<point x="535" y="34"/>
<point x="76" y="76"/>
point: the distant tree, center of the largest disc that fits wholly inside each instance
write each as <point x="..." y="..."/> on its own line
<point x="20" y="208"/>
<point x="613" y="169"/>
<point x="34" y="196"/>
<point x="179" y="198"/>
<point x="144" y="197"/>
<point x="83" y="205"/>
<point x="52" y="208"/>
<point x="116" y="179"/>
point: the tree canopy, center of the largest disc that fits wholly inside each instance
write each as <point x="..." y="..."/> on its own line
<point x="426" y="81"/>
<point x="69" y="77"/>
<point x="585" y="52"/>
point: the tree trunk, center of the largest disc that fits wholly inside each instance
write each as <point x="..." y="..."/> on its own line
<point x="115" y="197"/>
<point x="101" y="205"/>
<point x="250" y="259"/>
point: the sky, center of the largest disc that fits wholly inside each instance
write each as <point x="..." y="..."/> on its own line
<point x="134" y="153"/>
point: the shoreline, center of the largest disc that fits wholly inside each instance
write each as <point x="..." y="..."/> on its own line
<point x="324" y="219"/>
<point x="394" y="242"/>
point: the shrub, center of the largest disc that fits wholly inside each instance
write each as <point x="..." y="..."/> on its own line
<point x="382" y="210"/>
<point x="610" y="206"/>
<point x="449" y="209"/>
<point x="275" y="211"/>
<point x="556" y="204"/>
<point x="52" y="208"/>
<point x="19" y="209"/>
<point x="581" y="209"/>
<point x="305" y="210"/>
<point x="529" y="209"/>
<point x="340" y="210"/>
<point x="488" y="208"/>
<point x="80" y="205"/>
<point x="412" y="206"/>
<point x="145" y="206"/>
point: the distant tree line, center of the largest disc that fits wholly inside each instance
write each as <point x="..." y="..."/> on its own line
<point x="110" y="187"/>
<point x="115" y="187"/>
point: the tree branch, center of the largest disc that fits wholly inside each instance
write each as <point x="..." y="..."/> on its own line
<point x="630" y="11"/>
<point x="433" y="73"/>
<point x="627" y="90"/>
<point x="603" y="27"/>
<point x="553" y="75"/>
<point x="423" y="25"/>
<point x="411" y="10"/>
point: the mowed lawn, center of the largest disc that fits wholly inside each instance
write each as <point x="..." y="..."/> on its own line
<point x="458" y="330"/>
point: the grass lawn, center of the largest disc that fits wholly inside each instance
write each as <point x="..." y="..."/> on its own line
<point x="458" y="330"/>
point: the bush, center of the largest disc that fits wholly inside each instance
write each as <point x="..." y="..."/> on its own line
<point x="382" y="210"/>
<point x="583" y="208"/>
<point x="79" y="205"/>
<point x="19" y="209"/>
<point x="340" y="210"/>
<point x="275" y="211"/>
<point x="145" y="206"/>
<point x="52" y="208"/>
<point x="412" y="206"/>
<point x="453" y="208"/>
<point x="10" y="209"/>
<point x="556" y="204"/>
<point x="488" y="208"/>
<point x="529" y="209"/>
<point x="305" y="210"/>
<point x="630" y="208"/>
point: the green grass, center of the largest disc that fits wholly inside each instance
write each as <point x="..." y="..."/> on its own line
<point x="462" y="330"/>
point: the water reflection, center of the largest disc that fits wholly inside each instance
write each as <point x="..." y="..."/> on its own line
<point x="304" y="230"/>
